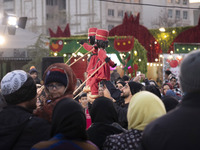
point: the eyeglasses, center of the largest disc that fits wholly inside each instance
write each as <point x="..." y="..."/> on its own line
<point x="57" y="86"/>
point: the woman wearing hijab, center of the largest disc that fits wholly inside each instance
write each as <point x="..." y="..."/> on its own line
<point x="144" y="107"/>
<point x="104" y="121"/>
<point x="59" y="81"/>
<point x="68" y="128"/>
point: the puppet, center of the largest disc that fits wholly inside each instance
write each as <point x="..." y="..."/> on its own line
<point x="104" y="72"/>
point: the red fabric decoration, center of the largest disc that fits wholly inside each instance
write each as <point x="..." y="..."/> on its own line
<point x="67" y="31"/>
<point x="188" y="36"/>
<point x="124" y="45"/>
<point x="131" y="27"/>
<point x="52" y="34"/>
<point x="79" y="67"/>
<point x="60" y="33"/>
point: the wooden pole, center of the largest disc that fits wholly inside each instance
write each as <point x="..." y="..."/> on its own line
<point x="89" y="77"/>
<point x="72" y="55"/>
<point x="81" y="57"/>
<point x="78" y="95"/>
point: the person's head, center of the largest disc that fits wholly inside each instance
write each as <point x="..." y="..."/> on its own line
<point x="91" y="35"/>
<point x="102" y="38"/>
<point x="83" y="100"/>
<point x="126" y="78"/>
<point x="143" y="108"/>
<point x="59" y="81"/>
<point x="69" y="119"/>
<point x="190" y="72"/>
<point x="170" y="102"/>
<point x="18" y="87"/>
<point x="126" y="91"/>
<point x="120" y="85"/>
<point x="172" y="80"/>
<point x="101" y="90"/>
<point x="152" y="82"/>
<point x="166" y="87"/>
<point x="153" y="89"/>
<point x="131" y="88"/>
<point x="33" y="72"/>
<point x="103" y="110"/>
<point x="167" y="73"/>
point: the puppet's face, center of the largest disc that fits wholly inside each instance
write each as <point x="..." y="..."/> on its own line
<point x="92" y="40"/>
<point x="102" y="44"/>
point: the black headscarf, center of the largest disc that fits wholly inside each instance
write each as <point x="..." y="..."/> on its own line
<point x="69" y="119"/>
<point x="103" y="111"/>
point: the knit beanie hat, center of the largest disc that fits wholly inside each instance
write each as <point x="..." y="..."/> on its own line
<point x="17" y="87"/>
<point x="134" y="87"/>
<point x="32" y="70"/>
<point x="56" y="75"/>
<point x="190" y="72"/>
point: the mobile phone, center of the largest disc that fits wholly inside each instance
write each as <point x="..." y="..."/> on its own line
<point x="138" y="73"/>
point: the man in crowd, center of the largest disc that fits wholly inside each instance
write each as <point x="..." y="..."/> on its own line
<point x="127" y="92"/>
<point x="19" y="129"/>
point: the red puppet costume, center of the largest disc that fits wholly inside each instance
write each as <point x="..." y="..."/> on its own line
<point x="104" y="72"/>
<point x="93" y="59"/>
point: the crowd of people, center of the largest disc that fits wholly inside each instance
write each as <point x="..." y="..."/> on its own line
<point x="122" y="113"/>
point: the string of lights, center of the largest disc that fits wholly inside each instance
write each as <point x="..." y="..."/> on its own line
<point x="152" y="5"/>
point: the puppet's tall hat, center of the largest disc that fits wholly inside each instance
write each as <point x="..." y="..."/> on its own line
<point x="102" y="35"/>
<point x="92" y="31"/>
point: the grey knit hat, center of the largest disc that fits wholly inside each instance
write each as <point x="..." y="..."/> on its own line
<point x="190" y="72"/>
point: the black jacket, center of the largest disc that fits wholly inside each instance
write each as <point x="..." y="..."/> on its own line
<point x="104" y="121"/>
<point x="122" y="114"/>
<point x="178" y="130"/>
<point x="20" y="130"/>
<point x="120" y="107"/>
<point x="99" y="131"/>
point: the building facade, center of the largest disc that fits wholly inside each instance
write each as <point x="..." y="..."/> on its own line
<point x="82" y="14"/>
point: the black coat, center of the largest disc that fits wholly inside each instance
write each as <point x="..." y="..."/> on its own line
<point x="120" y="107"/>
<point x="178" y="130"/>
<point x="19" y="130"/>
<point x="104" y="121"/>
<point x="99" y="131"/>
<point x="122" y="114"/>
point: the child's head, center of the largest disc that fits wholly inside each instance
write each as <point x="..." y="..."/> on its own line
<point x="83" y="100"/>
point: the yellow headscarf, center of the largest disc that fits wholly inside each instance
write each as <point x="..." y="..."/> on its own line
<point x="144" y="107"/>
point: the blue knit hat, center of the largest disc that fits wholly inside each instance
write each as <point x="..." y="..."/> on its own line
<point x="32" y="70"/>
<point x="56" y="75"/>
